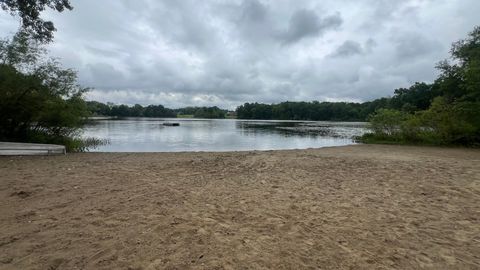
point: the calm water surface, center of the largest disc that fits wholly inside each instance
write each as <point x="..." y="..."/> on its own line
<point x="150" y="135"/>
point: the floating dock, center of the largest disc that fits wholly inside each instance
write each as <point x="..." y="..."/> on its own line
<point x="30" y="149"/>
<point x="171" y="124"/>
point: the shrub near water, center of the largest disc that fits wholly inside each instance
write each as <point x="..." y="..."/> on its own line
<point x="442" y="124"/>
<point x="453" y="118"/>
<point x="40" y="102"/>
<point x="388" y="123"/>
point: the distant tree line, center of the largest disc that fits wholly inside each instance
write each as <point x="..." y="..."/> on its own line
<point x="203" y="112"/>
<point x="101" y="109"/>
<point x="418" y="97"/>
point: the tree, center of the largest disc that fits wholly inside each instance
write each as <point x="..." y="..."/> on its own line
<point x="467" y="53"/>
<point x="445" y="123"/>
<point x="387" y="122"/>
<point x="453" y="117"/>
<point x="209" y="112"/>
<point x="29" y="12"/>
<point x="460" y="85"/>
<point x="417" y="97"/>
<point x="39" y="100"/>
<point x="98" y="109"/>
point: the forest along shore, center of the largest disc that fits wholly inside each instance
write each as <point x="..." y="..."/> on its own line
<point x="363" y="207"/>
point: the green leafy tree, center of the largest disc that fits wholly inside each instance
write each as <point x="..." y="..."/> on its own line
<point x="387" y="122"/>
<point x="98" y="109"/>
<point x="453" y="118"/>
<point x="39" y="100"/>
<point x="321" y="111"/>
<point x="445" y="123"/>
<point x="417" y="97"/>
<point x="209" y="112"/>
<point x="29" y="12"/>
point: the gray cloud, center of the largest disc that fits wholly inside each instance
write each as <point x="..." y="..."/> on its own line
<point x="409" y="45"/>
<point x="225" y="53"/>
<point x="305" y="23"/>
<point x="253" y="11"/>
<point x="348" y="48"/>
<point x="351" y="48"/>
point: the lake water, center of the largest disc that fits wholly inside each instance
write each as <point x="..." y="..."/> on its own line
<point x="150" y="135"/>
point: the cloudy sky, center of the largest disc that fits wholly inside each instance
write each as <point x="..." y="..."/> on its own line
<point x="225" y="53"/>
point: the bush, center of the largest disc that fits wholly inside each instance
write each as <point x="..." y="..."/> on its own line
<point x="72" y="142"/>
<point x="453" y="117"/>
<point x="388" y="122"/>
<point x="442" y="124"/>
<point x="447" y="123"/>
<point x="39" y="101"/>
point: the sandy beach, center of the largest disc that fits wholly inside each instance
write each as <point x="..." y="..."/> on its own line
<point x="354" y="207"/>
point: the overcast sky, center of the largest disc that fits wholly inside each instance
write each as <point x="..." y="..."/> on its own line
<point x="183" y="53"/>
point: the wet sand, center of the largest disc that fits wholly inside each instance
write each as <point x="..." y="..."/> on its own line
<point x="354" y="207"/>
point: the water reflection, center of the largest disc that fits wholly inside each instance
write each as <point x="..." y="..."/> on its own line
<point x="304" y="129"/>
<point x="150" y="135"/>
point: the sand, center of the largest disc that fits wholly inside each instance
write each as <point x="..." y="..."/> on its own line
<point x="354" y="207"/>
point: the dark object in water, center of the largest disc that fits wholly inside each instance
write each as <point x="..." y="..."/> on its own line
<point x="171" y="124"/>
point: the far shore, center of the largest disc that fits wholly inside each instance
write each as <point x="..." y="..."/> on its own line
<point x="349" y="207"/>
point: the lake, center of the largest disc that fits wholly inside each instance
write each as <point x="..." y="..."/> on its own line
<point x="150" y="135"/>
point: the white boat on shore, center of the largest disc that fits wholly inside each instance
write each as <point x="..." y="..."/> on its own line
<point x="29" y="149"/>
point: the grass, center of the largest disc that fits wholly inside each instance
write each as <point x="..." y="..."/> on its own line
<point x="185" y="116"/>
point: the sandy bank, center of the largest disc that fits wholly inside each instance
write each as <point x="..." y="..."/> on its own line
<point x="355" y="207"/>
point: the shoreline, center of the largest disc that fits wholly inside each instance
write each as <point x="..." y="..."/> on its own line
<point x="359" y="206"/>
<point x="450" y="147"/>
<point x="335" y="150"/>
